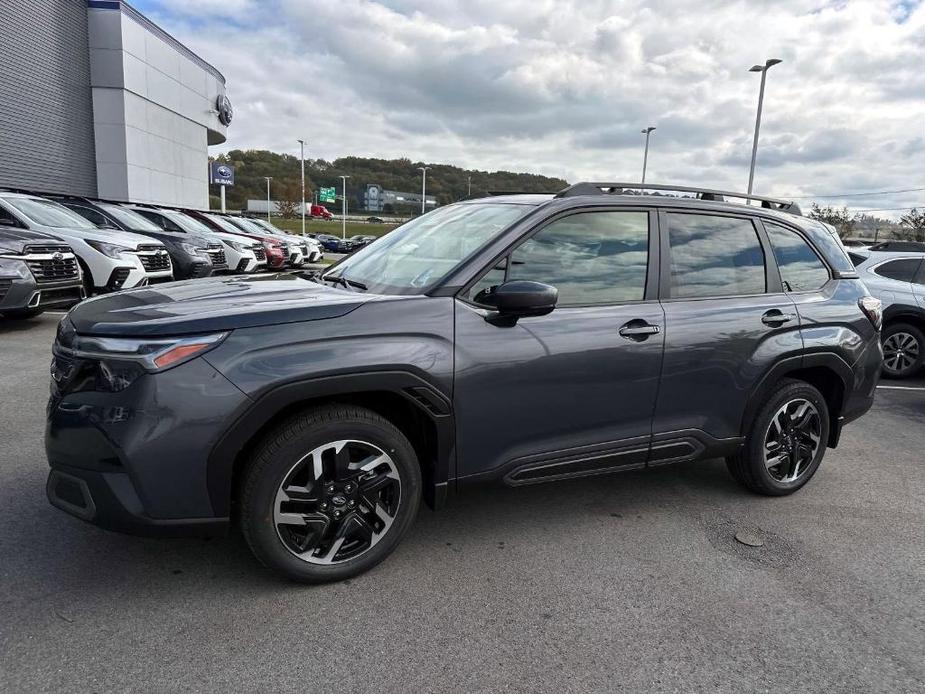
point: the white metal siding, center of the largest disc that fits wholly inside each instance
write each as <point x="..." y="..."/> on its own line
<point x="46" y="112"/>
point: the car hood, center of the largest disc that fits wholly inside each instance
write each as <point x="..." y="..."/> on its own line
<point x="17" y="239"/>
<point x="120" y="238"/>
<point x="210" y="305"/>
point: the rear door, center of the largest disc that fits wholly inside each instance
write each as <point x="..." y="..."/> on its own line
<point x="572" y="392"/>
<point x="727" y="319"/>
<point x="918" y="285"/>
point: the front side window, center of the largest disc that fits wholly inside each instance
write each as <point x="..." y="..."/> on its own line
<point x="417" y="255"/>
<point x="222" y="223"/>
<point x="903" y="269"/>
<point x="591" y="258"/>
<point x="131" y="220"/>
<point x="800" y="267"/>
<point x="714" y="256"/>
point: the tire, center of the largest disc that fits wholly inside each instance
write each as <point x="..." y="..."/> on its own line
<point x="23" y="313"/>
<point x="796" y="439"/>
<point x="297" y="501"/>
<point x="87" y="278"/>
<point x="903" y="350"/>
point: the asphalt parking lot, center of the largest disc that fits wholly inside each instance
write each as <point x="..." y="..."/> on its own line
<point x="628" y="582"/>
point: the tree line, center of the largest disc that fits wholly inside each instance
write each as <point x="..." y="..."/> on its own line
<point x="446" y="183"/>
<point x="910" y="227"/>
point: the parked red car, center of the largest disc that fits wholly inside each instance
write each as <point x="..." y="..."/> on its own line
<point x="276" y="248"/>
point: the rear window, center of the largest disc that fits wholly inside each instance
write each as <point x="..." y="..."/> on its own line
<point x="902" y="270"/>
<point x="800" y="267"/>
<point x="714" y="256"/>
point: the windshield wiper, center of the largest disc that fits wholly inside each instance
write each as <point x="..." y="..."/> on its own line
<point x="344" y="282"/>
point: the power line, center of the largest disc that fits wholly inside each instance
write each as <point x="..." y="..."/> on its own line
<point x="853" y="195"/>
<point x="886" y="209"/>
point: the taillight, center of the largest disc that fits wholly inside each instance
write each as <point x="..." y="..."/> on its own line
<point x="873" y="309"/>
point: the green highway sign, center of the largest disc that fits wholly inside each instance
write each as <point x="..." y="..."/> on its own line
<point x="327" y="195"/>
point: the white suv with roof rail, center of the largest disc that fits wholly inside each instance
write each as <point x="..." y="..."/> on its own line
<point x="110" y="259"/>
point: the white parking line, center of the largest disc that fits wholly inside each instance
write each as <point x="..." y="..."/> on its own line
<point x="902" y="387"/>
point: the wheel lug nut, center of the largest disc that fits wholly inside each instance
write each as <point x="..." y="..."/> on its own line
<point x="351" y="503"/>
<point x="337" y="514"/>
<point x="324" y="506"/>
<point x="330" y="489"/>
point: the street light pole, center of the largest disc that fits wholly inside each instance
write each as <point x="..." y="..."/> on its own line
<point x="423" y="170"/>
<point x="645" y="157"/>
<point x="469" y="193"/>
<point x="344" y="207"/>
<point x="269" y="178"/>
<point x="763" y="69"/>
<point x="302" y="158"/>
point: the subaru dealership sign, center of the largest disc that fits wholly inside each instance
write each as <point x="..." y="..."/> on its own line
<point x="221" y="174"/>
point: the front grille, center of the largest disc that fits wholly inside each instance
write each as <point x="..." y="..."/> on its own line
<point x="293" y="257"/>
<point x="5" y="287"/>
<point x="46" y="250"/>
<point x="217" y="254"/>
<point x="155" y="260"/>
<point x="259" y="253"/>
<point x="60" y="267"/>
<point x="60" y="297"/>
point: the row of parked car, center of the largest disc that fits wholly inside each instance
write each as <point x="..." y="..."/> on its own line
<point x="56" y="249"/>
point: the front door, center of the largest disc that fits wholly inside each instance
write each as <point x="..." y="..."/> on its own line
<point x="571" y="392"/>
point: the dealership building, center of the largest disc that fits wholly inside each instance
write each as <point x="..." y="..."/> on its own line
<point x="97" y="100"/>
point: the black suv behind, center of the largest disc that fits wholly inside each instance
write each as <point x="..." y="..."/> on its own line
<point x="517" y="339"/>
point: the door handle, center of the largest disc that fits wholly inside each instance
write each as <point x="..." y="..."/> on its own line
<point x="775" y="317"/>
<point x="638" y="330"/>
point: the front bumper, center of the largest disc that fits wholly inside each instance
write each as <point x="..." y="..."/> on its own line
<point x="20" y="290"/>
<point x="136" y="461"/>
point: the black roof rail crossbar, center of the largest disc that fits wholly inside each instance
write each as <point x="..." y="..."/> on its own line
<point x="619" y="188"/>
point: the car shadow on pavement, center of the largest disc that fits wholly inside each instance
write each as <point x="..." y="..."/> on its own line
<point x="76" y="555"/>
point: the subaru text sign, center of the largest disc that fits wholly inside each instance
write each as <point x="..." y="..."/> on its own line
<point x="221" y="174"/>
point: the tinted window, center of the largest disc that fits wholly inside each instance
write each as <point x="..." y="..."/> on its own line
<point x="857" y="258"/>
<point x="89" y="214"/>
<point x="902" y="270"/>
<point x="800" y="267"/>
<point x="714" y="256"/>
<point x="591" y="258"/>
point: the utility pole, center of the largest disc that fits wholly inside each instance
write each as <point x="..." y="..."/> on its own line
<point x="302" y="157"/>
<point x="763" y="69"/>
<point x="269" y="178"/>
<point x="469" y="192"/>
<point x="423" y="170"/>
<point x="645" y="157"/>
<point x="344" y="207"/>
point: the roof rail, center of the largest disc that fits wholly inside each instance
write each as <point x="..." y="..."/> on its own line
<point x="617" y="188"/>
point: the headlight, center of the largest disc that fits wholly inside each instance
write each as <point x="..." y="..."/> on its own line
<point x="239" y="247"/>
<point x="152" y="355"/>
<point x="191" y="249"/>
<point x="110" y="250"/>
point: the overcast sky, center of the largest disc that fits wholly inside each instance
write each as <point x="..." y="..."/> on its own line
<point x="563" y="87"/>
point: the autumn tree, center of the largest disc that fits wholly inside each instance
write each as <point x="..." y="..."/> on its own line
<point x="288" y="199"/>
<point x="841" y="219"/>
<point x="912" y="225"/>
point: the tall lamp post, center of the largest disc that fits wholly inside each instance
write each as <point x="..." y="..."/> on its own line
<point x="645" y="156"/>
<point x="344" y="207"/>
<point x="269" y="178"/>
<point x="763" y="69"/>
<point x="423" y="170"/>
<point x="302" y="158"/>
<point x="469" y="192"/>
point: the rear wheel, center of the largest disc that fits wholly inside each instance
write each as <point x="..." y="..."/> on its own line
<point x="786" y="443"/>
<point x="903" y="350"/>
<point x="329" y="494"/>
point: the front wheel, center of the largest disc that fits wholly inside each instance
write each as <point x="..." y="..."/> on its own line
<point x="786" y="443"/>
<point x="329" y="494"/>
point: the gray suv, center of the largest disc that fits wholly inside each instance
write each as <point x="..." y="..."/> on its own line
<point x="515" y="339"/>
<point x="898" y="280"/>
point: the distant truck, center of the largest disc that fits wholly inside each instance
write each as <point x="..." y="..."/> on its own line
<point x="320" y="212"/>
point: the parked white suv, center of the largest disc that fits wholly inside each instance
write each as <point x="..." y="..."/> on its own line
<point x="110" y="259"/>
<point x="313" y="251"/>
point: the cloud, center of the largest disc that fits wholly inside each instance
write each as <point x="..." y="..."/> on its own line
<point x="563" y="87"/>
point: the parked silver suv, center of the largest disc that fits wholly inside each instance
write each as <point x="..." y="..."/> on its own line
<point x="898" y="280"/>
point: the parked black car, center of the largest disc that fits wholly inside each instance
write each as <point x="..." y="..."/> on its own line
<point x="515" y="339"/>
<point x="196" y="253"/>
<point x="362" y="240"/>
<point x="37" y="272"/>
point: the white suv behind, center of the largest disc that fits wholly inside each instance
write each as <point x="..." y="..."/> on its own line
<point x="110" y="259"/>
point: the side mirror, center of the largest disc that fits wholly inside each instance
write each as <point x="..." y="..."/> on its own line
<point x="521" y="299"/>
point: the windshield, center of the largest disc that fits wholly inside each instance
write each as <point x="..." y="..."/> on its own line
<point x="50" y="214"/>
<point x="263" y="224"/>
<point x="188" y="224"/>
<point x="223" y="223"/>
<point x="131" y="220"/>
<point x="422" y="252"/>
<point x="249" y="226"/>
